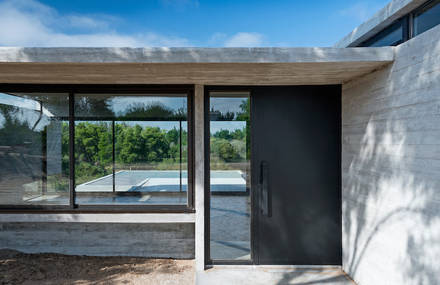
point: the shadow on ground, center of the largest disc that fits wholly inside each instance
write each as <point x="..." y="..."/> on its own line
<point x="48" y="268"/>
<point x="316" y="276"/>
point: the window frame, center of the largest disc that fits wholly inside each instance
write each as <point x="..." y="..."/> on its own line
<point x="73" y="89"/>
<point x="208" y="89"/>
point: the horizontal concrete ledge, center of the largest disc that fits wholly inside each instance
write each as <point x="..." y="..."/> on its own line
<point x="98" y="218"/>
<point x="278" y="267"/>
<point x="272" y="274"/>
<point x="195" y="55"/>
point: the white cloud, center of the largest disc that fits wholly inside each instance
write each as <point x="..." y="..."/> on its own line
<point x="218" y="37"/>
<point x="79" y="21"/>
<point x="31" y="23"/>
<point x="244" y="40"/>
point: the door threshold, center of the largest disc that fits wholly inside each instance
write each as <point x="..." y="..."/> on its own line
<point x="273" y="275"/>
<point x="275" y="267"/>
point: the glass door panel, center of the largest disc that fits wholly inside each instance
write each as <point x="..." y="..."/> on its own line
<point x="230" y="203"/>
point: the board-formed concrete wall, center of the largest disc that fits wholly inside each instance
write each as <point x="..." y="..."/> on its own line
<point x="391" y="168"/>
<point x="101" y="239"/>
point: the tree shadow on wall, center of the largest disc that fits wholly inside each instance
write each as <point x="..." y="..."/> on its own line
<point x="391" y="175"/>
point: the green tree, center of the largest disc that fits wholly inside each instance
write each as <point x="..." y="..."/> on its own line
<point x="245" y="116"/>
<point x="157" y="147"/>
<point x="131" y="144"/>
<point x="93" y="150"/>
<point x="153" y="110"/>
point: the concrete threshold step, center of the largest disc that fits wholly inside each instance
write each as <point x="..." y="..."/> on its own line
<point x="273" y="274"/>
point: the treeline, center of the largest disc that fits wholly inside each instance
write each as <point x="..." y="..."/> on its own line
<point x="135" y="145"/>
<point x="141" y="146"/>
<point x="228" y="146"/>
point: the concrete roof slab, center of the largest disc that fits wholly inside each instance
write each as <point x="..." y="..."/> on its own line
<point x="206" y="66"/>
<point x="194" y="55"/>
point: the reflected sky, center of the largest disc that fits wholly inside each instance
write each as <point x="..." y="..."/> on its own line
<point x="229" y="104"/>
<point x="227" y="125"/>
<point x="121" y="104"/>
<point x="28" y="109"/>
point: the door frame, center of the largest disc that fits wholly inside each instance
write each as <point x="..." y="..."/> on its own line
<point x="207" y="192"/>
<point x="254" y="195"/>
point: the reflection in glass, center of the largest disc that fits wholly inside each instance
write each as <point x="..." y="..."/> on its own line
<point x="428" y="18"/>
<point x="34" y="149"/>
<point x="135" y="149"/>
<point x="390" y="36"/>
<point x="230" y="176"/>
<point x="93" y="156"/>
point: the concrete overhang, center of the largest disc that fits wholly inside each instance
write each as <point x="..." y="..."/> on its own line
<point x="383" y="18"/>
<point x="208" y="66"/>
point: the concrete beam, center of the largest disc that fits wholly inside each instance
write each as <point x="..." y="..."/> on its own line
<point x="157" y="240"/>
<point x="204" y="66"/>
<point x="199" y="123"/>
<point x="132" y="218"/>
<point x="187" y="73"/>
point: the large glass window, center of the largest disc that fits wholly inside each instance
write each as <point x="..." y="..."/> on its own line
<point x="230" y="200"/>
<point x="81" y="151"/>
<point x="34" y="149"/>
<point x="427" y="18"/>
<point x="131" y="149"/>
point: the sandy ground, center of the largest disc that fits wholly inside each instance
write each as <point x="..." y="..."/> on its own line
<point x="20" y="268"/>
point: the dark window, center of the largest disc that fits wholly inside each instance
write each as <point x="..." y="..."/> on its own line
<point x="116" y="151"/>
<point x="427" y="18"/>
<point x="423" y="18"/>
<point x="390" y="36"/>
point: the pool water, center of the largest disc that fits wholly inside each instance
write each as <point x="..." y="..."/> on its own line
<point x="135" y="177"/>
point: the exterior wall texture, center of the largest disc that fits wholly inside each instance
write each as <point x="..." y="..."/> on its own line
<point x="391" y="168"/>
<point x="99" y="239"/>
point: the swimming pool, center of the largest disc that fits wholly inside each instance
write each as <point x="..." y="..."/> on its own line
<point x="162" y="181"/>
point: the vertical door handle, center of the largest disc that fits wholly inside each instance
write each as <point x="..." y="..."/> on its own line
<point x="265" y="198"/>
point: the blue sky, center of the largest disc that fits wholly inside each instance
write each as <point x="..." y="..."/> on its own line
<point x="180" y="22"/>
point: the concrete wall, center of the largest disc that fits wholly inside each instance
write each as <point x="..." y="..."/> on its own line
<point x="101" y="239"/>
<point x="391" y="168"/>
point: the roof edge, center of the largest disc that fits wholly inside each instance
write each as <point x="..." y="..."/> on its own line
<point x="384" y="17"/>
<point x="193" y="55"/>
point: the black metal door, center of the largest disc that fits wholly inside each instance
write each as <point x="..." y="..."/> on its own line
<point x="296" y="175"/>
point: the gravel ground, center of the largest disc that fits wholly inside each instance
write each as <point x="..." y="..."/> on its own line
<point x="48" y="268"/>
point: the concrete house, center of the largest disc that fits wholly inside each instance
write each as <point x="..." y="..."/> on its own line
<point x="271" y="165"/>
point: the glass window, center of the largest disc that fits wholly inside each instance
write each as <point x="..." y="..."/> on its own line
<point x="34" y="149"/>
<point x="230" y="176"/>
<point x="390" y="36"/>
<point x="427" y="18"/>
<point x="131" y="149"/>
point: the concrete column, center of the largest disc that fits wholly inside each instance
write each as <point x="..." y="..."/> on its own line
<point x="199" y="126"/>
